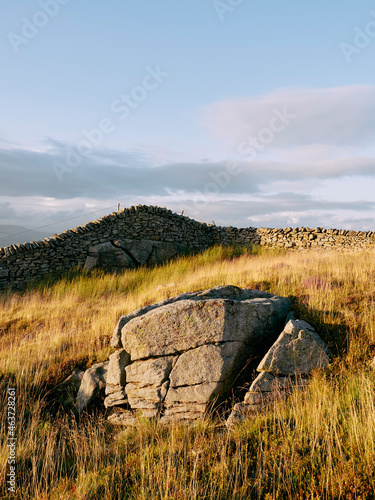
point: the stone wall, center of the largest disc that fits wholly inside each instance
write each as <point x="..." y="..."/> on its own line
<point x="19" y="264"/>
<point x="304" y="237"/>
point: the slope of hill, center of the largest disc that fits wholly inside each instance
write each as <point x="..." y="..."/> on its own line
<point x="175" y="233"/>
<point x="318" y="444"/>
<point x="11" y="235"/>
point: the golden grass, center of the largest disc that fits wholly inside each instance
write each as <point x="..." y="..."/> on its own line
<point x="318" y="444"/>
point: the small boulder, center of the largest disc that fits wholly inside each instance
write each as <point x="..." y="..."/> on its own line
<point x="298" y="350"/>
<point x="93" y="380"/>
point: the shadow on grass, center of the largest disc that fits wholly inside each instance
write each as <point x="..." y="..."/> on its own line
<point x="191" y="258"/>
<point x="335" y="335"/>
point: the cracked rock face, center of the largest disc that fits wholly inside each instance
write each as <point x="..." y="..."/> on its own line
<point x="109" y="257"/>
<point x="185" y="353"/>
<point x="129" y="254"/>
<point x="114" y="388"/>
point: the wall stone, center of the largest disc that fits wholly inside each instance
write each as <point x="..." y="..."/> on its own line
<point x="21" y="263"/>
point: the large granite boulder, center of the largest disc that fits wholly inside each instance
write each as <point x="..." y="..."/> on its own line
<point x="183" y="354"/>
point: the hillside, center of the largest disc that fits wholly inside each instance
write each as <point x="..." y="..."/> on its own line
<point x="165" y="233"/>
<point x="11" y="234"/>
<point x="318" y="444"/>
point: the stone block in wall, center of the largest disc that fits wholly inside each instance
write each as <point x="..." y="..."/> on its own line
<point x="128" y="253"/>
<point x="4" y="272"/>
<point x="108" y="257"/>
<point x="140" y="250"/>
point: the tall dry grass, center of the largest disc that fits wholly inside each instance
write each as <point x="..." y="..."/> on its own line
<point x="319" y="444"/>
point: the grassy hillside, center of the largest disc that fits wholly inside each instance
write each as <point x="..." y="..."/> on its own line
<point x="320" y="444"/>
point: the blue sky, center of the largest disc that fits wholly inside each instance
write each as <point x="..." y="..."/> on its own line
<point x="247" y="113"/>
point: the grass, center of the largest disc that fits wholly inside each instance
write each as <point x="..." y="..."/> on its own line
<point x="319" y="444"/>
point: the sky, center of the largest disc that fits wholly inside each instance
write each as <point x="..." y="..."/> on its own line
<point x="241" y="112"/>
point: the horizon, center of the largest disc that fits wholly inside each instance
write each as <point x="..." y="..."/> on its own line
<point x="245" y="114"/>
<point x="37" y="230"/>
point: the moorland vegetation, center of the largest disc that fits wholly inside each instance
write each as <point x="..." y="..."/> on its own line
<point x="318" y="444"/>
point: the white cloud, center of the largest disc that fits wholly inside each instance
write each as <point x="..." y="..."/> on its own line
<point x="294" y="181"/>
<point x="108" y="174"/>
<point x="338" y="116"/>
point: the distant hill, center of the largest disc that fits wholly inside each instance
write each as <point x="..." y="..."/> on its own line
<point x="10" y="235"/>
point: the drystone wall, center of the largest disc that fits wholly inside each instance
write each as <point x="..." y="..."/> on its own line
<point x="22" y="263"/>
<point x="317" y="237"/>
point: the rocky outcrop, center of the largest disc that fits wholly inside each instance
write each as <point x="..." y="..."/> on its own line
<point x="182" y="355"/>
<point x="297" y="351"/>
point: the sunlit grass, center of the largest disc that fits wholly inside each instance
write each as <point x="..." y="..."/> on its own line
<point x="318" y="444"/>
